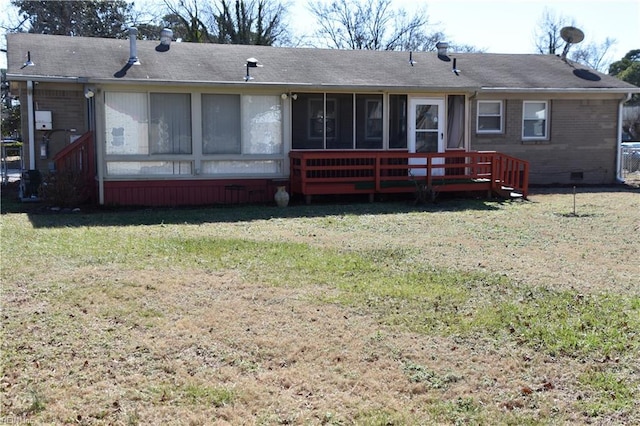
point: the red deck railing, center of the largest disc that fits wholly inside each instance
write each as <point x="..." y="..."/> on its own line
<point x="372" y="172"/>
<point x="79" y="158"/>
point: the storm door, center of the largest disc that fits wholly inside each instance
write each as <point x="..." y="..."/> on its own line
<point x="426" y="131"/>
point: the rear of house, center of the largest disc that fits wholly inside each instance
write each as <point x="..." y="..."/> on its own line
<point x="195" y="124"/>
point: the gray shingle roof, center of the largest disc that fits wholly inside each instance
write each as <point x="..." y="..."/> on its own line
<point x="104" y="60"/>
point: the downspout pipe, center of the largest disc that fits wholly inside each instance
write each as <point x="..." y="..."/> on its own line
<point x="623" y="101"/>
<point x="31" y="126"/>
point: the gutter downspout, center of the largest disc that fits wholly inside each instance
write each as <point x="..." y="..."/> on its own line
<point x="619" y="138"/>
<point x="32" y="126"/>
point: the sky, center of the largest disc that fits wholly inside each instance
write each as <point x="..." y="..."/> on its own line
<point x="508" y="26"/>
<point x="501" y="26"/>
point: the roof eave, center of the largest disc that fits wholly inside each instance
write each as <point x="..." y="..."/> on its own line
<point x="241" y="83"/>
<point x="615" y="90"/>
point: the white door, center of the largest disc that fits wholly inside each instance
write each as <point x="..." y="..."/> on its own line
<point x="426" y="131"/>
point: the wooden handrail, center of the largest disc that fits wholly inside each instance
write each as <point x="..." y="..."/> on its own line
<point x="337" y="172"/>
<point x="79" y="158"/>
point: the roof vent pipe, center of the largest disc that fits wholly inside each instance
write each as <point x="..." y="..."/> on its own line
<point x="133" y="55"/>
<point x="165" y="37"/>
<point x="442" y="47"/>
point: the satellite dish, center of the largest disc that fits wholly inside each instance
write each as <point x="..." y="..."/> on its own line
<point x="571" y="35"/>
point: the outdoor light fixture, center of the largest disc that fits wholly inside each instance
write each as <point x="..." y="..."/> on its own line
<point x="89" y="93"/>
<point x="251" y="63"/>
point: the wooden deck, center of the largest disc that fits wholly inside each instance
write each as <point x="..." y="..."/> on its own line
<point x="384" y="172"/>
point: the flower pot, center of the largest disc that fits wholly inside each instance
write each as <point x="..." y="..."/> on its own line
<point x="282" y="196"/>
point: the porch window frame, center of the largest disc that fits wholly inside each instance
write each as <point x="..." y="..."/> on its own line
<point x="370" y="122"/>
<point x="325" y="118"/>
<point x="336" y="97"/>
<point x="500" y="116"/>
<point x="269" y="165"/>
<point x="545" y="136"/>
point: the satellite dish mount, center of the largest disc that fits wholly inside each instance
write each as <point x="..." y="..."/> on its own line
<point x="571" y="35"/>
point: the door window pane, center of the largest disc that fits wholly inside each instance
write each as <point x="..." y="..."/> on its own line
<point x="427" y="117"/>
<point x="427" y="142"/>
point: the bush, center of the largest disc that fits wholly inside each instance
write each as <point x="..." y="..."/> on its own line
<point x="63" y="189"/>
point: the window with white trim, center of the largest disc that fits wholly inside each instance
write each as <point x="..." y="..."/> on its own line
<point x="490" y="117"/>
<point x="150" y="134"/>
<point x="535" y="123"/>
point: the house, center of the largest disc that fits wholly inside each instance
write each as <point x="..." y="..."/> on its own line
<point x="169" y="123"/>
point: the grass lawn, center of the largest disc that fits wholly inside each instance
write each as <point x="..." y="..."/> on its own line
<point x="458" y="312"/>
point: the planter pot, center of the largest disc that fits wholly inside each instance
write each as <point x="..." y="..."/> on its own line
<point x="282" y="196"/>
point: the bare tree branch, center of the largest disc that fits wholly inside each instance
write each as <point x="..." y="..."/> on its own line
<point x="355" y="24"/>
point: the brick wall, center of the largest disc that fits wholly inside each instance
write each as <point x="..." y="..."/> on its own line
<point x="68" y="111"/>
<point x="580" y="149"/>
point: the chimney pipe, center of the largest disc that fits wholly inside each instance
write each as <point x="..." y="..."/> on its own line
<point x="133" y="58"/>
<point x="165" y="37"/>
<point x="442" y="48"/>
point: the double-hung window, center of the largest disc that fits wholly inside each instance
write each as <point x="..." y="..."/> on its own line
<point x="490" y="117"/>
<point x="535" y="122"/>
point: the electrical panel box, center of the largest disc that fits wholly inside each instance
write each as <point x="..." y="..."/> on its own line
<point x="43" y="120"/>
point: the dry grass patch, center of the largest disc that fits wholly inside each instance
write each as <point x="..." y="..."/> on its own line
<point x="463" y="312"/>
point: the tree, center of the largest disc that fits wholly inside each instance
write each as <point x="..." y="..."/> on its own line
<point x="94" y="18"/>
<point x="547" y="37"/>
<point x="356" y="24"/>
<point x="628" y="69"/>
<point x="548" y="40"/>
<point x="258" y="22"/>
<point x="187" y="22"/>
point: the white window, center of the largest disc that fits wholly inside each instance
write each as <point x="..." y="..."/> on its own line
<point x="221" y="124"/>
<point x="127" y="123"/>
<point x="490" y="117"/>
<point x="535" y="123"/>
<point x="261" y="125"/>
<point x="170" y="123"/>
<point x="150" y="134"/>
